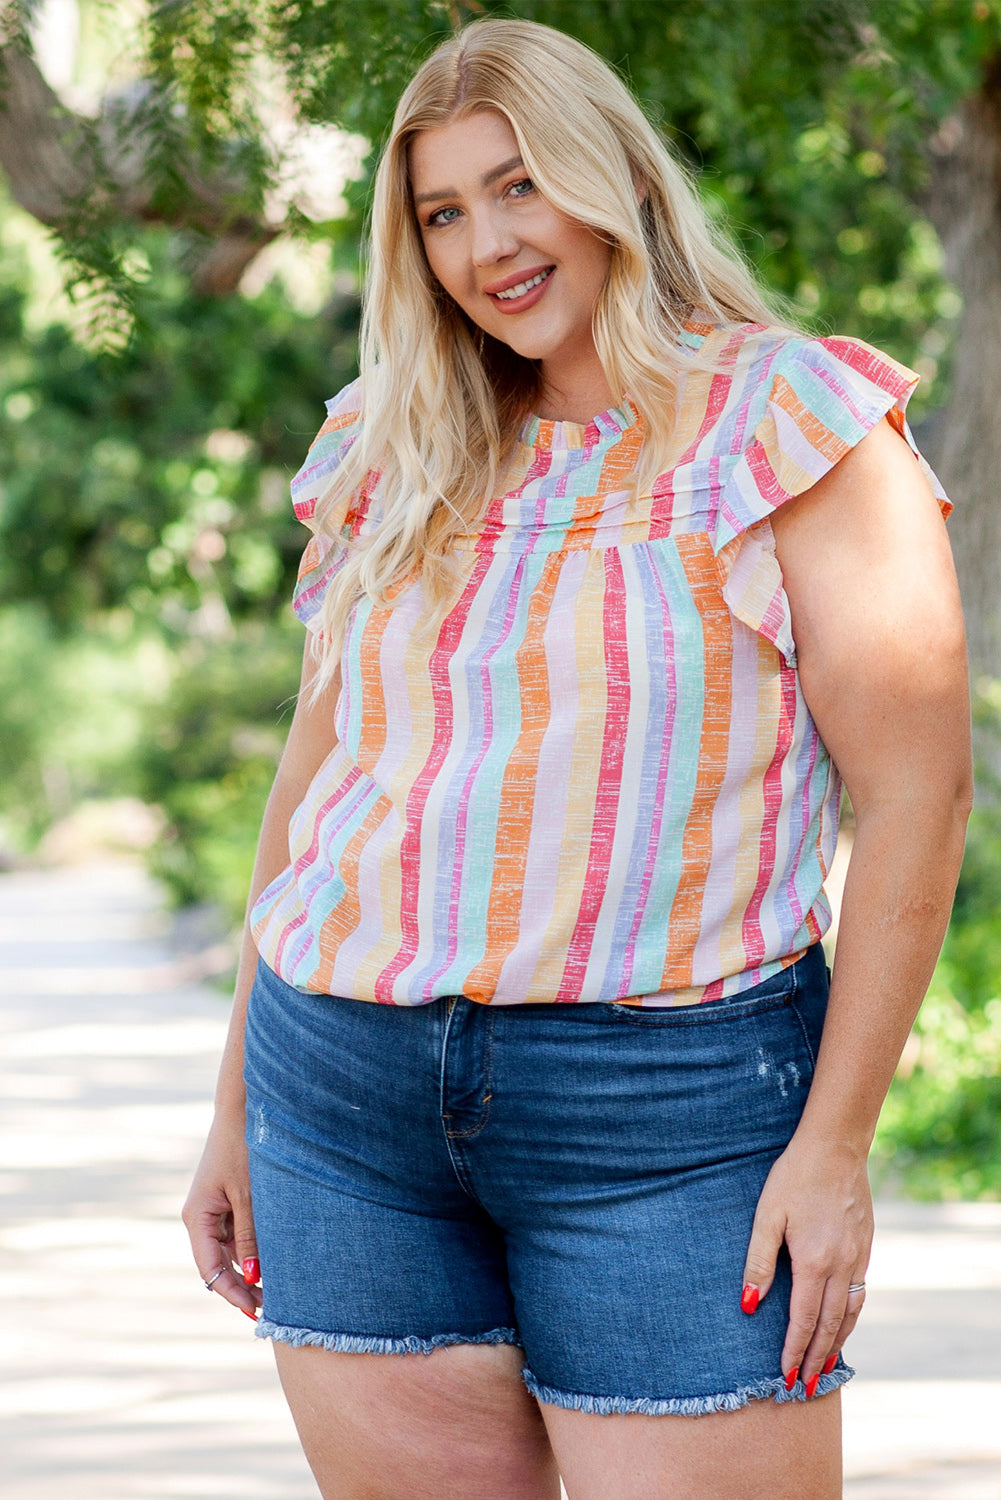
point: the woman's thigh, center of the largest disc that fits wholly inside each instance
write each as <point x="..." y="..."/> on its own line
<point x="457" y="1424"/>
<point x="764" y="1451"/>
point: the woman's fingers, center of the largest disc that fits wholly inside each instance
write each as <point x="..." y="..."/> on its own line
<point x="221" y="1229"/>
<point x="854" y="1301"/>
<point x="822" y="1314"/>
<point x="818" y="1202"/>
<point x="813" y="1338"/>
<point x="767" y="1234"/>
<point x="806" y="1312"/>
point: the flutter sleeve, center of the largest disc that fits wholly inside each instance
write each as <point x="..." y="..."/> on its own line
<point x="820" y="398"/>
<point x="326" y="549"/>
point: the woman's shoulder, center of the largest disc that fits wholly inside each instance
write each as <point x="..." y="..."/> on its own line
<point x="765" y="360"/>
<point x="345" y="409"/>
<point x="327" y="451"/>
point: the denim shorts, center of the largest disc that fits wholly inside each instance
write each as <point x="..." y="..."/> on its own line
<point x="576" y="1180"/>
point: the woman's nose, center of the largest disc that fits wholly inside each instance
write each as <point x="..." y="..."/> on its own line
<point x="492" y="239"/>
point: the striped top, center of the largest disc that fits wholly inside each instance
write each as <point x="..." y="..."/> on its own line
<point x="600" y="780"/>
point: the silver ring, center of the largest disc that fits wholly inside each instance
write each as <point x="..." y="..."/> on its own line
<point x="208" y="1285"/>
<point x="858" y="1286"/>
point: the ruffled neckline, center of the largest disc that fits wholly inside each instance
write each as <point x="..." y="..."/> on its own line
<point x="548" y="433"/>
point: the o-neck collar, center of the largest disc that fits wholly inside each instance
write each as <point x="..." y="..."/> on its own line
<point x="546" y="432"/>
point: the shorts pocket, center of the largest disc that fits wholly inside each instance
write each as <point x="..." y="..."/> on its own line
<point x="777" y="990"/>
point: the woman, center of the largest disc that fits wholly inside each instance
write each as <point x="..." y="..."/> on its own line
<point x="560" y="794"/>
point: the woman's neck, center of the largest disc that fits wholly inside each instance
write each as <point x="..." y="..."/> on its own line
<point x="576" y="396"/>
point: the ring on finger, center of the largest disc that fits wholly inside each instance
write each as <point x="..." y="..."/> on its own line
<point x="856" y="1286"/>
<point x="208" y="1285"/>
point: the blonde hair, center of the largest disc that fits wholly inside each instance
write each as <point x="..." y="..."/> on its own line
<point x="442" y="402"/>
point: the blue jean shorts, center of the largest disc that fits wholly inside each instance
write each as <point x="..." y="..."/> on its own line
<point x="575" y="1180"/>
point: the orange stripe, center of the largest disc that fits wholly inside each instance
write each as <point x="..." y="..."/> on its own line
<point x="372" y="709"/>
<point x="684" y="924"/>
<point x="619" y="464"/>
<point x="345" y="917"/>
<point x="816" y="432"/>
<point x="517" y="795"/>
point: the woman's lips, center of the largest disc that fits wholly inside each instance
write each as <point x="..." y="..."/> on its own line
<point x="528" y="299"/>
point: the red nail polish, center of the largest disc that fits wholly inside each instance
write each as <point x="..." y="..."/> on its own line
<point x="250" y="1315"/>
<point x="251" y="1270"/>
<point x="811" y="1385"/>
<point x="829" y="1363"/>
<point x="749" y="1298"/>
<point x="792" y="1377"/>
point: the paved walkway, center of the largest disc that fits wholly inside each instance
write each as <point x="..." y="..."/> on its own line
<point x="121" y="1380"/>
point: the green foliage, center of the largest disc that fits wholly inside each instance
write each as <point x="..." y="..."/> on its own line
<point x="939" y="1131"/>
<point x="208" y="756"/>
<point x="157" y="481"/>
<point x="70" y="716"/>
<point x="810" y="121"/>
<point x="147" y="553"/>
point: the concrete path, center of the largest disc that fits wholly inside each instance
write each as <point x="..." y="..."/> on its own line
<point x="120" y="1379"/>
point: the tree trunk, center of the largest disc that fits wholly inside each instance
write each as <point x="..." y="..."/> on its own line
<point x="965" y="207"/>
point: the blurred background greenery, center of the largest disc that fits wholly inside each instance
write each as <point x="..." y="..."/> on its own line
<point x="182" y="197"/>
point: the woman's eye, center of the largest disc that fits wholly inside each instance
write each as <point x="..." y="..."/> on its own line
<point x="437" y="216"/>
<point x="522" y="187"/>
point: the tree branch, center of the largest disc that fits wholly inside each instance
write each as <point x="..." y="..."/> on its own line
<point x="62" y="166"/>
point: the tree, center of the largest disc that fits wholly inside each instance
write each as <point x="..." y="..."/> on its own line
<point x="832" y="133"/>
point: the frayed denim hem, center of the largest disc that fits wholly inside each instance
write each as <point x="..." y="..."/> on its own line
<point x="683" y="1406"/>
<point x="354" y="1343"/>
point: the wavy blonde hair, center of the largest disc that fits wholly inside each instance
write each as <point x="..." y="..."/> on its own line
<point x="442" y="403"/>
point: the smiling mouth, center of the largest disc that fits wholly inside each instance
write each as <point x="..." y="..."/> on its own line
<point x="523" y="287"/>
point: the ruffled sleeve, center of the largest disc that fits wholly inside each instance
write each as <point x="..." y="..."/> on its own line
<point x="819" y="399"/>
<point x="326" y="549"/>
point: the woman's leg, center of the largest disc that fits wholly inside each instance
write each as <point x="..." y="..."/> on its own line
<point x="456" y="1424"/>
<point x="765" y="1451"/>
<point x="385" y="1281"/>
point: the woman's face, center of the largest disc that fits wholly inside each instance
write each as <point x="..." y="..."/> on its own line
<point x="525" y="273"/>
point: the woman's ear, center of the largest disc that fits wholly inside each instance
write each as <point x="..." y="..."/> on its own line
<point x="639" y="187"/>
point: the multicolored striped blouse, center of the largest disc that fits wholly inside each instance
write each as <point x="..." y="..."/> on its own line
<point x="601" y="781"/>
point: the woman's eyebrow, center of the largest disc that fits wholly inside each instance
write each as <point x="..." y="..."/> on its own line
<point x="485" y="181"/>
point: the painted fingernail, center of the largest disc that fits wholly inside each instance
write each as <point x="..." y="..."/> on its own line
<point x="252" y="1316"/>
<point x="749" y="1298"/>
<point x="829" y="1364"/>
<point x="792" y="1377"/>
<point x="811" y="1385"/>
<point x="251" y="1270"/>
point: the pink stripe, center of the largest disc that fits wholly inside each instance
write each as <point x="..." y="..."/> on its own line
<point x="609" y="778"/>
<point x="462" y="812"/>
<point x="804" y="815"/>
<point x="868" y="364"/>
<point x="663" y="492"/>
<point x="449" y="638"/>
<point x="305" y="860"/>
<point x="661" y="797"/>
<point x="751" y="934"/>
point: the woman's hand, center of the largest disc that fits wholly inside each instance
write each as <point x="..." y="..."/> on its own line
<point x="218" y="1216"/>
<point x="817" y="1199"/>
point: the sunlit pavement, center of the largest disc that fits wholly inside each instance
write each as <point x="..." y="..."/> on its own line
<point x="120" y="1379"/>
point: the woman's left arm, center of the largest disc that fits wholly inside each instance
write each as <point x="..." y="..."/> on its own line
<point x="881" y="652"/>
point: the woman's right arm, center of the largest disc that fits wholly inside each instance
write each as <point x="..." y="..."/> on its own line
<point x="217" y="1213"/>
